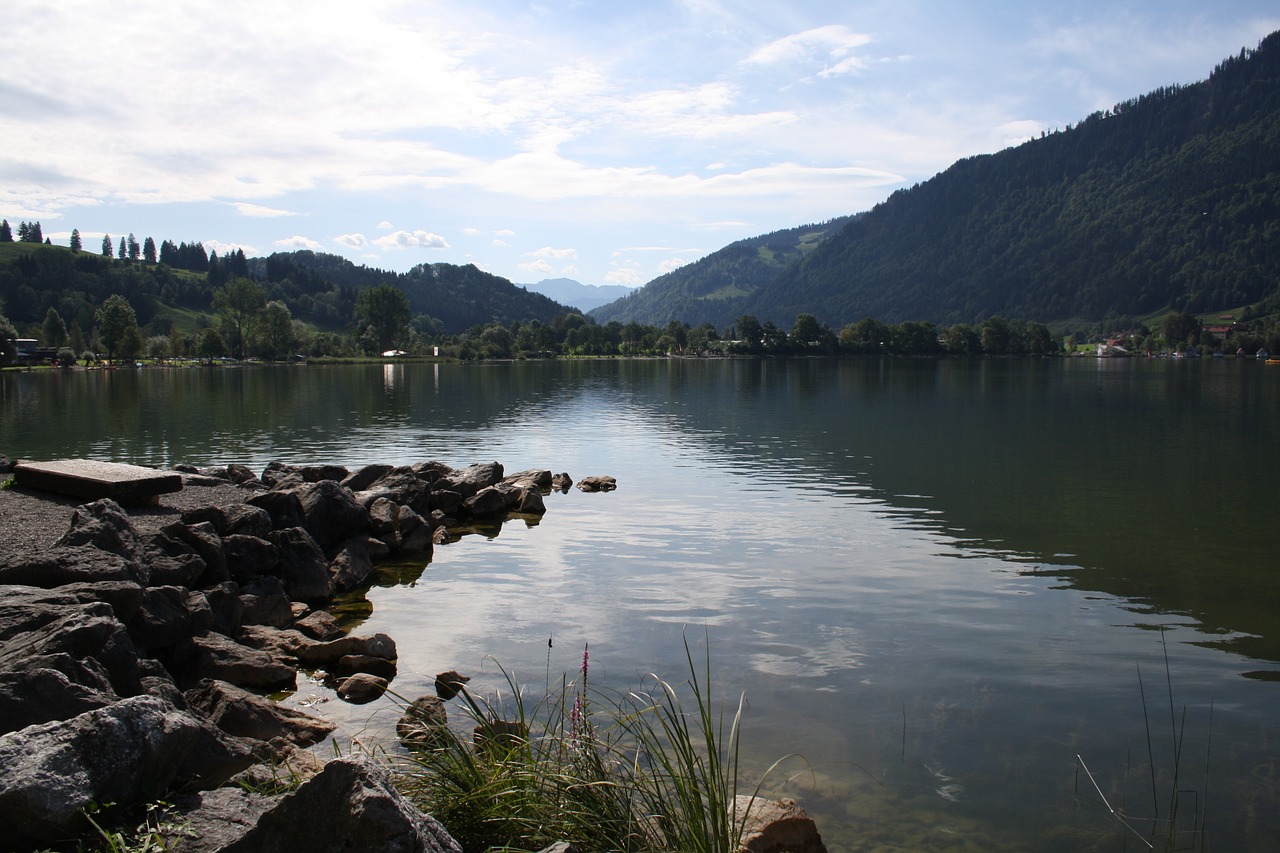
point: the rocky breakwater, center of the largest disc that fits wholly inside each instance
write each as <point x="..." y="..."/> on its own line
<point x="134" y="652"/>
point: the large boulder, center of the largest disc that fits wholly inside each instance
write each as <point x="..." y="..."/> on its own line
<point x="103" y="524"/>
<point x="467" y="481"/>
<point x="284" y="508"/>
<point x="170" y="560"/>
<point x="88" y="633"/>
<point x="264" y="602"/>
<point x="218" y="657"/>
<point x="332" y="514"/>
<point x="352" y="565"/>
<point x="128" y="753"/>
<point x="776" y="826"/>
<point x="350" y="805"/>
<point x="249" y="556"/>
<point x="50" y="687"/>
<point x="166" y="618"/>
<point x="58" y="566"/>
<point x="302" y="566"/>
<point x="400" y="486"/>
<point x="244" y="714"/>
<point x="358" y="481"/>
<point x="204" y="539"/>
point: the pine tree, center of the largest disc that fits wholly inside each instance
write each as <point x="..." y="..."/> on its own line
<point x="122" y="252"/>
<point x="106" y="246"/>
<point x="149" y="250"/>
<point x="75" y="240"/>
<point x="6" y="233"/>
<point x="135" y="251"/>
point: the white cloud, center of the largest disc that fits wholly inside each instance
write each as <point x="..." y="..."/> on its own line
<point x="628" y="277"/>
<point x="411" y="240"/>
<point x="569" y="270"/>
<point x="539" y="266"/>
<point x="549" y="252"/>
<point x="671" y="264"/>
<point x="299" y="242"/>
<point x="832" y="42"/>
<point x="223" y="249"/>
<point x="259" y="211"/>
<point x="385" y="225"/>
<point x="352" y="241"/>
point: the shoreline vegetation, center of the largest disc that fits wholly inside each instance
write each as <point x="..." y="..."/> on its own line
<point x="139" y="644"/>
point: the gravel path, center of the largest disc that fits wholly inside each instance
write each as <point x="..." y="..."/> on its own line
<point x="31" y="519"/>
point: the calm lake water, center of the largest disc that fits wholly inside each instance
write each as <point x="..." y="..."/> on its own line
<point x="939" y="582"/>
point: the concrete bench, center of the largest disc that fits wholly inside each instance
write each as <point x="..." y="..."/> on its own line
<point x="91" y="480"/>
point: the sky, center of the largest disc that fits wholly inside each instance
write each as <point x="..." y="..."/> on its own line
<point x="607" y="142"/>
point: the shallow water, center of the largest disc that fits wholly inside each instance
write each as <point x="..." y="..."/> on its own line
<point x="938" y="582"/>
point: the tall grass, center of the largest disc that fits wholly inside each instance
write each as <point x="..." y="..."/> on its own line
<point x="656" y="769"/>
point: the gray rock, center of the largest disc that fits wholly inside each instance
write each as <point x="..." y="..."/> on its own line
<point x="164" y="619"/>
<point x="284" y="508"/>
<point x="50" y="687"/>
<point x="597" y="484"/>
<point x="332" y="514"/>
<point x="562" y="482"/>
<point x="531" y="479"/>
<point x="320" y="473"/>
<point x="228" y="609"/>
<point x="244" y="714"/>
<point x="247" y="520"/>
<point x="530" y="503"/>
<point x="83" y="632"/>
<point x="104" y="525"/>
<point x="319" y="625"/>
<point x="129" y="752"/>
<point x="467" y="481"/>
<point x="415" y="533"/>
<point x="249" y="556"/>
<point x="277" y="473"/>
<point x="400" y="486"/>
<point x="171" y="561"/>
<point x="325" y="654"/>
<point x="449" y="684"/>
<point x="779" y="826"/>
<point x="350" y="805"/>
<point x="302" y="566"/>
<point x="265" y="603"/>
<point x="215" y="656"/>
<point x="486" y="503"/>
<point x="358" y="481"/>
<point x="424" y="723"/>
<point x="58" y="566"/>
<point x="241" y="475"/>
<point x="352" y="664"/>
<point x="353" y="564"/>
<point x="361" y="688"/>
<point x="445" y="501"/>
<point x="203" y="538"/>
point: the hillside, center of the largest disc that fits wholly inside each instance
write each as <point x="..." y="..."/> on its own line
<point x="708" y="290"/>
<point x="1169" y="201"/>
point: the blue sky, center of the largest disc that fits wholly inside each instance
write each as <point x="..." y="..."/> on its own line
<point x="602" y="141"/>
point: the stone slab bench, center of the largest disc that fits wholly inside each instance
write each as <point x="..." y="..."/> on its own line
<point x="92" y="480"/>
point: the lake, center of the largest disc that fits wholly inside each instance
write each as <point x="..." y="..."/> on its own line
<point x="943" y="583"/>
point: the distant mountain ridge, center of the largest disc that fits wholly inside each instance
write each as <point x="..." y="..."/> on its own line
<point x="575" y="294"/>
<point x="1168" y="201"/>
<point x="707" y="289"/>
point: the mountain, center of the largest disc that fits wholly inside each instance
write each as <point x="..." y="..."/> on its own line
<point x="584" y="297"/>
<point x="708" y="289"/>
<point x="1169" y="201"/>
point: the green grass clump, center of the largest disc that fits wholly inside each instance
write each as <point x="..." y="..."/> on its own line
<point x="637" y="772"/>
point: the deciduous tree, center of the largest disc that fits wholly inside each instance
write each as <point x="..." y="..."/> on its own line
<point x="240" y="302"/>
<point x="116" y="318"/>
<point x="385" y="309"/>
<point x="55" y="330"/>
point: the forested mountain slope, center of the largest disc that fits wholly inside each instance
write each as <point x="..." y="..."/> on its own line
<point x="1170" y="200"/>
<point x="708" y="289"/>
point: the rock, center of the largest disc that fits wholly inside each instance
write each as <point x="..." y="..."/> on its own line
<point x="288" y="767"/>
<point x="88" y="633"/>
<point x="424" y="722"/>
<point x="6" y="464"/>
<point x="302" y="566"/>
<point x="531" y="479"/>
<point x="319" y="625"/>
<point x="597" y="484"/>
<point x="249" y="557"/>
<point x="445" y="501"/>
<point x="358" y="481"/>
<point x="283" y="508"/>
<point x="277" y="473"/>
<point x="350" y="805"/>
<point x="127" y="753"/>
<point x="353" y="564"/>
<point x="48" y="688"/>
<point x="264" y="602"/>
<point x="415" y="532"/>
<point x="319" y="473"/>
<point x="203" y="539"/>
<point x="530" y="503"/>
<point x="247" y="520"/>
<point x="240" y="474"/>
<point x="467" y="481"/>
<point x="316" y="654"/>
<point x="361" y="688"/>
<point x="486" y="503"/>
<point x="331" y="512"/>
<point x="384" y="521"/>
<point x="352" y="664"/>
<point x="400" y="486"/>
<point x="500" y="733"/>
<point x="165" y="620"/>
<point x="58" y="566"/>
<point x="214" y="656"/>
<point x="450" y="684"/>
<point x="779" y="826"/>
<point x="241" y="713"/>
<point x="104" y="525"/>
<point x="228" y="609"/>
<point x="562" y="482"/>
<point x="171" y="561"/>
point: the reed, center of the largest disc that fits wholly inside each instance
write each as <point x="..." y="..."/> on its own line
<point x="656" y="769"/>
